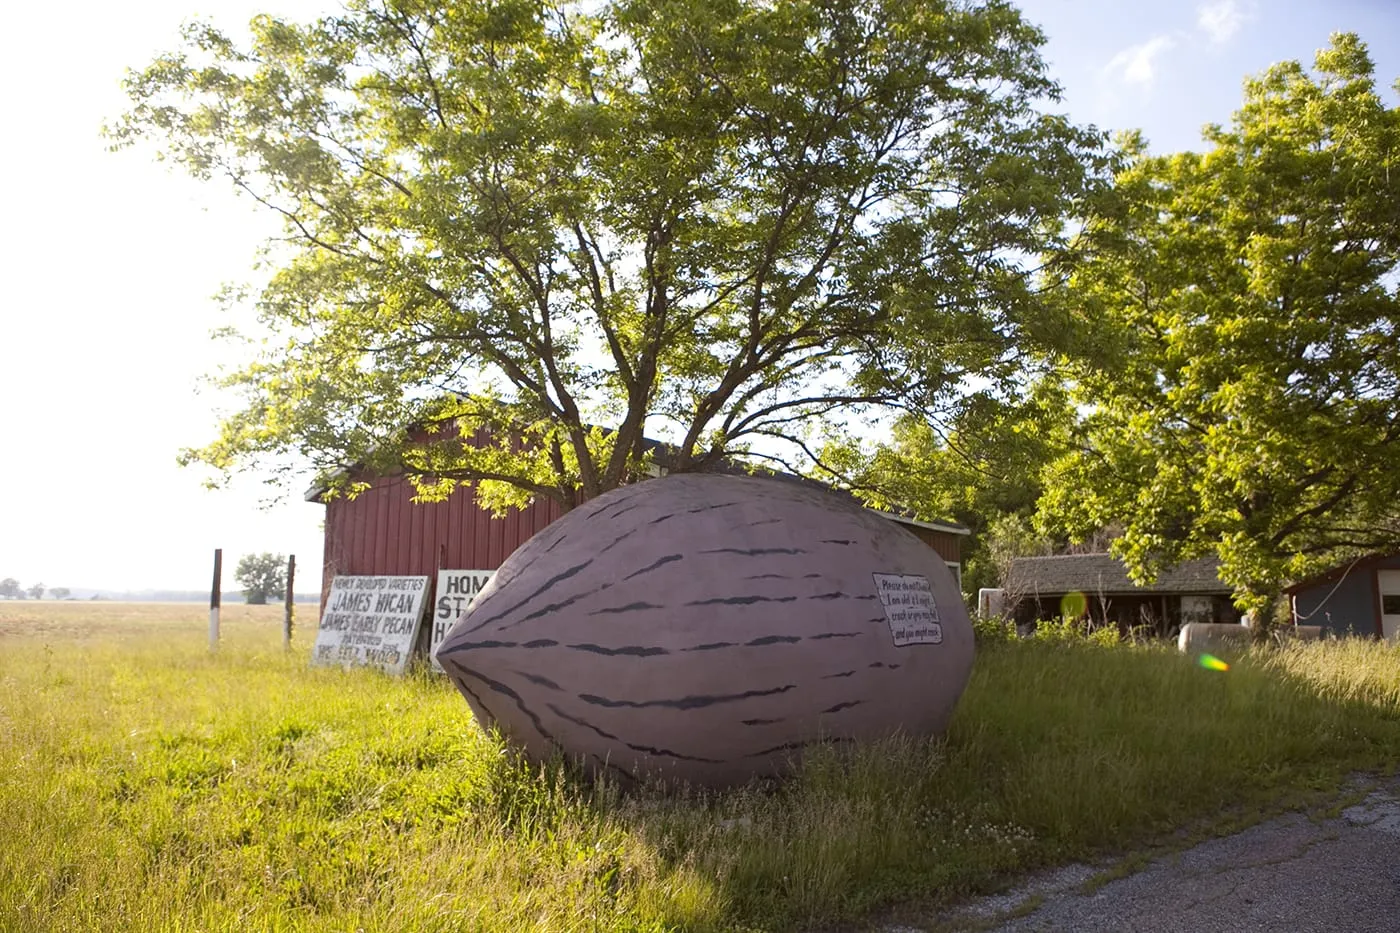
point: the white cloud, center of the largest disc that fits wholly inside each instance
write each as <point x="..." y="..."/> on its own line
<point x="1136" y="63"/>
<point x="1221" y="19"/>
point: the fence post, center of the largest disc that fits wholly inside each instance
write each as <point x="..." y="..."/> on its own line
<point x="287" y="609"/>
<point x="214" y="599"/>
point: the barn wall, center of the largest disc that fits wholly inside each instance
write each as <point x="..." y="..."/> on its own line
<point x="382" y="531"/>
<point x="1347" y="607"/>
<point x="947" y="546"/>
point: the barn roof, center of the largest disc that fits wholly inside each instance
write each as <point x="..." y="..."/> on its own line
<point x="1104" y="573"/>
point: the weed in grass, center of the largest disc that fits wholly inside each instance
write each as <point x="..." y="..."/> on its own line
<point x="145" y="785"/>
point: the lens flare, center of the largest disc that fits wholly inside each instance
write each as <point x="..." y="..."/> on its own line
<point x="1073" y="605"/>
<point x="1211" y="663"/>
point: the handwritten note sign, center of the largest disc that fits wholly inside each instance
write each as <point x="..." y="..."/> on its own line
<point x="370" y="622"/>
<point x="455" y="591"/>
<point x="909" y="609"/>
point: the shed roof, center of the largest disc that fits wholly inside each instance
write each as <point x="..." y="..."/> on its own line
<point x="1104" y="573"/>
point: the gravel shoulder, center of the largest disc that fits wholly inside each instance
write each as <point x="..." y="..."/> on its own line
<point x="1322" y="871"/>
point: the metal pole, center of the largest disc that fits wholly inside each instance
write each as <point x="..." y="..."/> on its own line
<point x="214" y="600"/>
<point x="287" y="607"/>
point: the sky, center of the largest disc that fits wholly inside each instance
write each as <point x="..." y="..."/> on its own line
<point x="110" y="261"/>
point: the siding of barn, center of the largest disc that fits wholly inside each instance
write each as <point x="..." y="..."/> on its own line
<point x="1344" y="604"/>
<point x="945" y="544"/>
<point x="383" y="531"/>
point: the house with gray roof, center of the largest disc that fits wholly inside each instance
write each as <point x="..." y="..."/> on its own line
<point x="1098" y="586"/>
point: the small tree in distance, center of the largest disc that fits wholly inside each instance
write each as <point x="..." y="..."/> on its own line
<point x="36" y="591"/>
<point x="60" y="592"/>
<point x="262" y="576"/>
<point x="9" y="588"/>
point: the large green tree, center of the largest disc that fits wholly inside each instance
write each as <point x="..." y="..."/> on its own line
<point x="720" y="222"/>
<point x="981" y="468"/>
<point x="1241" y="356"/>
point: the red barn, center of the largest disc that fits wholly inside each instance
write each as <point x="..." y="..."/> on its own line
<point x="382" y="531"/>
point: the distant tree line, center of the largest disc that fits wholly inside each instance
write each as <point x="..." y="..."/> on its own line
<point x="10" y="589"/>
<point x="262" y="578"/>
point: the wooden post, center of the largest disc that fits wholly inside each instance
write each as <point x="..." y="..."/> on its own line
<point x="424" y="648"/>
<point x="214" y="598"/>
<point x="287" y="607"/>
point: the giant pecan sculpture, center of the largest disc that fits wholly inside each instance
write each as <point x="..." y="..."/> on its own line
<point x="708" y="628"/>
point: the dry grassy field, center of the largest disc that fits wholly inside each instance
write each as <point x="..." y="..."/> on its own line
<point x="146" y="784"/>
<point x="70" y="621"/>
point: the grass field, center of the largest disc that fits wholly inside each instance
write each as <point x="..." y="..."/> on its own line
<point x="146" y="785"/>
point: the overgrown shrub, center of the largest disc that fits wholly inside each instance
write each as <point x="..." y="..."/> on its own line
<point x="993" y="630"/>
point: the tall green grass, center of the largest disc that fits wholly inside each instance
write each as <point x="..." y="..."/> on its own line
<point x="145" y="785"/>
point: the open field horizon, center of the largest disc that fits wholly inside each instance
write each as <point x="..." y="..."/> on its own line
<point x="108" y="619"/>
<point x="147" y="784"/>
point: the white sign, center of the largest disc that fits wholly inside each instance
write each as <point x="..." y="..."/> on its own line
<point x="909" y="609"/>
<point x="371" y="622"/>
<point x="455" y="591"/>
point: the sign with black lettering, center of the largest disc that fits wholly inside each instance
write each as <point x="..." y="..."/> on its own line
<point x="909" y="609"/>
<point x="371" y="622"/>
<point x="455" y="591"/>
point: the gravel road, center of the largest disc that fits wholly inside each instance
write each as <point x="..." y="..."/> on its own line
<point x="1299" y="872"/>
<point x="1338" y="874"/>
